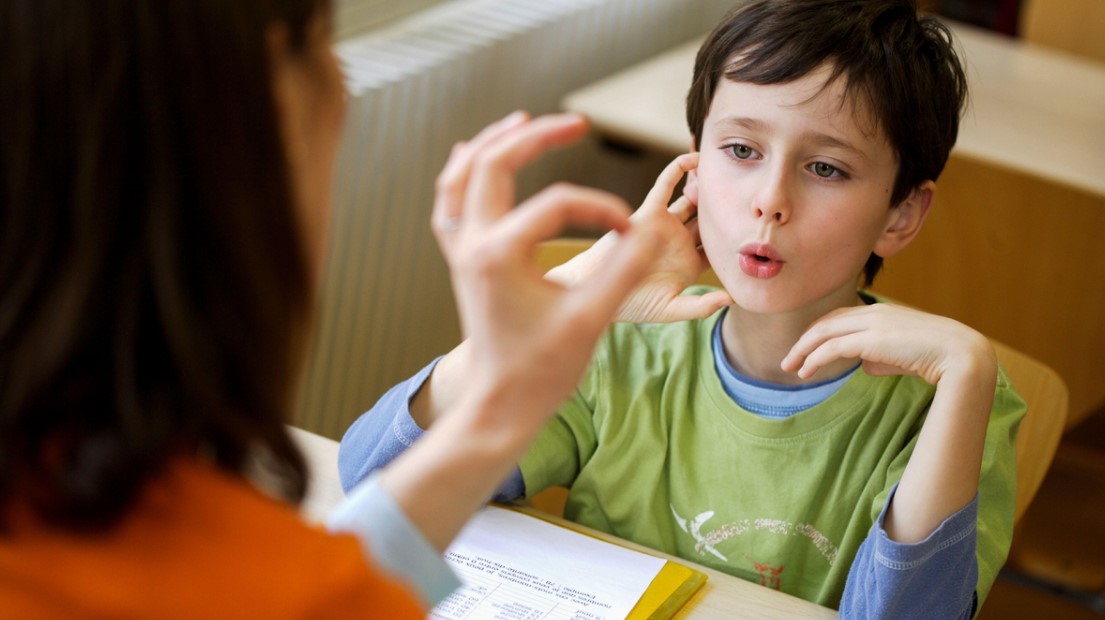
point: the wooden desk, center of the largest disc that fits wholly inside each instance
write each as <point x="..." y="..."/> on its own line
<point x="723" y="596"/>
<point x="1016" y="244"/>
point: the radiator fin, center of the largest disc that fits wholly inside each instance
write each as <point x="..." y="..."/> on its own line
<point x="416" y="88"/>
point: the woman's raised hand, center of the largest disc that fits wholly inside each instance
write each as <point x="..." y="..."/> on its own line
<point x="528" y="339"/>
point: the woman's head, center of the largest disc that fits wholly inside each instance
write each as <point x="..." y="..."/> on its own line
<point x="154" y="275"/>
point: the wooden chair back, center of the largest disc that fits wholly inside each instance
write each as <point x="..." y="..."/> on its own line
<point x="1038" y="437"/>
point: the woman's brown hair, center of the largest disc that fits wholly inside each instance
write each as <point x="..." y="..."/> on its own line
<point x="152" y="279"/>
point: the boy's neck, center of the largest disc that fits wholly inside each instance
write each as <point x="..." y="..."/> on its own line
<point x="756" y="343"/>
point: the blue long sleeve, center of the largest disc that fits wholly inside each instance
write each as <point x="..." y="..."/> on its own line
<point x="382" y="433"/>
<point x="387" y="429"/>
<point x="934" y="578"/>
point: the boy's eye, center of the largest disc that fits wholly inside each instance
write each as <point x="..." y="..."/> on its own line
<point x="824" y="170"/>
<point x="741" y="151"/>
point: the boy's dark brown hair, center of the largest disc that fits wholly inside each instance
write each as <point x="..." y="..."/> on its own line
<point x="901" y="64"/>
<point x="153" y="287"/>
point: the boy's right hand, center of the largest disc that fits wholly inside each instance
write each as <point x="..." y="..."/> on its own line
<point x="679" y="261"/>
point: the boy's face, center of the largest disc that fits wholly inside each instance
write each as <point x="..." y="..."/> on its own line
<point x="793" y="193"/>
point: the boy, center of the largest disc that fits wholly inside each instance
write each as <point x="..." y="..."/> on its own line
<point x="853" y="453"/>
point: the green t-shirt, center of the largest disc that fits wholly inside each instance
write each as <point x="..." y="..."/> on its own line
<point x="656" y="452"/>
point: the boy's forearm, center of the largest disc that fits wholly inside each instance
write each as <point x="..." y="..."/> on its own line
<point x="444" y="388"/>
<point x="942" y="475"/>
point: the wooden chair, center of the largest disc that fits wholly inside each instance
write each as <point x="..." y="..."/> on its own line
<point x="1042" y="427"/>
<point x="1040" y="386"/>
<point x="1075" y="26"/>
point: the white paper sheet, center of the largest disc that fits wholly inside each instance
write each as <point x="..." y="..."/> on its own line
<point x="518" y="567"/>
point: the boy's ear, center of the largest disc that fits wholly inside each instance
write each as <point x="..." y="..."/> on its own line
<point x="906" y="219"/>
<point x="690" y="185"/>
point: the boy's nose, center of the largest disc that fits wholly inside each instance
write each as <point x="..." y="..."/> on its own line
<point x="773" y="200"/>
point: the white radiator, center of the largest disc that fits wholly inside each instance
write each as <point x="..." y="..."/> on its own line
<point x="416" y="88"/>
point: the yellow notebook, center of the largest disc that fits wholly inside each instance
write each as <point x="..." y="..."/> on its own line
<point x="669" y="591"/>
<point x="667" y="594"/>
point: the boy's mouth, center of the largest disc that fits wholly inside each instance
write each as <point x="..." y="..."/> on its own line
<point x="761" y="252"/>
<point x="760" y="260"/>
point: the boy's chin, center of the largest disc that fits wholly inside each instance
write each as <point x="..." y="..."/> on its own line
<point x="760" y="302"/>
<point x="778" y="302"/>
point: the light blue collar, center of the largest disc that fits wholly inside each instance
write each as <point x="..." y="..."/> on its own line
<point x="771" y="400"/>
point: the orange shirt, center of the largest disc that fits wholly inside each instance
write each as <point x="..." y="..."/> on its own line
<point x="199" y="544"/>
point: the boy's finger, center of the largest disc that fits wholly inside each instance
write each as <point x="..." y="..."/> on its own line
<point x="686" y="307"/>
<point x="840" y="323"/>
<point x="850" y="345"/>
<point x="683" y="209"/>
<point x="668" y="178"/>
<point x="627" y="262"/>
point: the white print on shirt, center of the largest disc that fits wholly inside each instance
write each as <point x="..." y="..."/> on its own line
<point x="770" y="575"/>
<point x="701" y="545"/>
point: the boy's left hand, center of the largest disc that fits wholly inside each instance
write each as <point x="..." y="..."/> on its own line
<point x="892" y="339"/>
<point x="942" y="474"/>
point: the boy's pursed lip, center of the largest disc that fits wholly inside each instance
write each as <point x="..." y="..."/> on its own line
<point x="760" y="260"/>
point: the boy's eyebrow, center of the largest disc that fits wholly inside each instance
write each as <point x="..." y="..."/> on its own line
<point x="817" y="138"/>
<point x="744" y="122"/>
<point x="822" y="139"/>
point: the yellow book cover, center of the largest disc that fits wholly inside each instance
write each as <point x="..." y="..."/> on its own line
<point x="669" y="591"/>
<point x="667" y="594"/>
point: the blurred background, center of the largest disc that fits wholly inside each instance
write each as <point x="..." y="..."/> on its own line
<point x="423" y="74"/>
